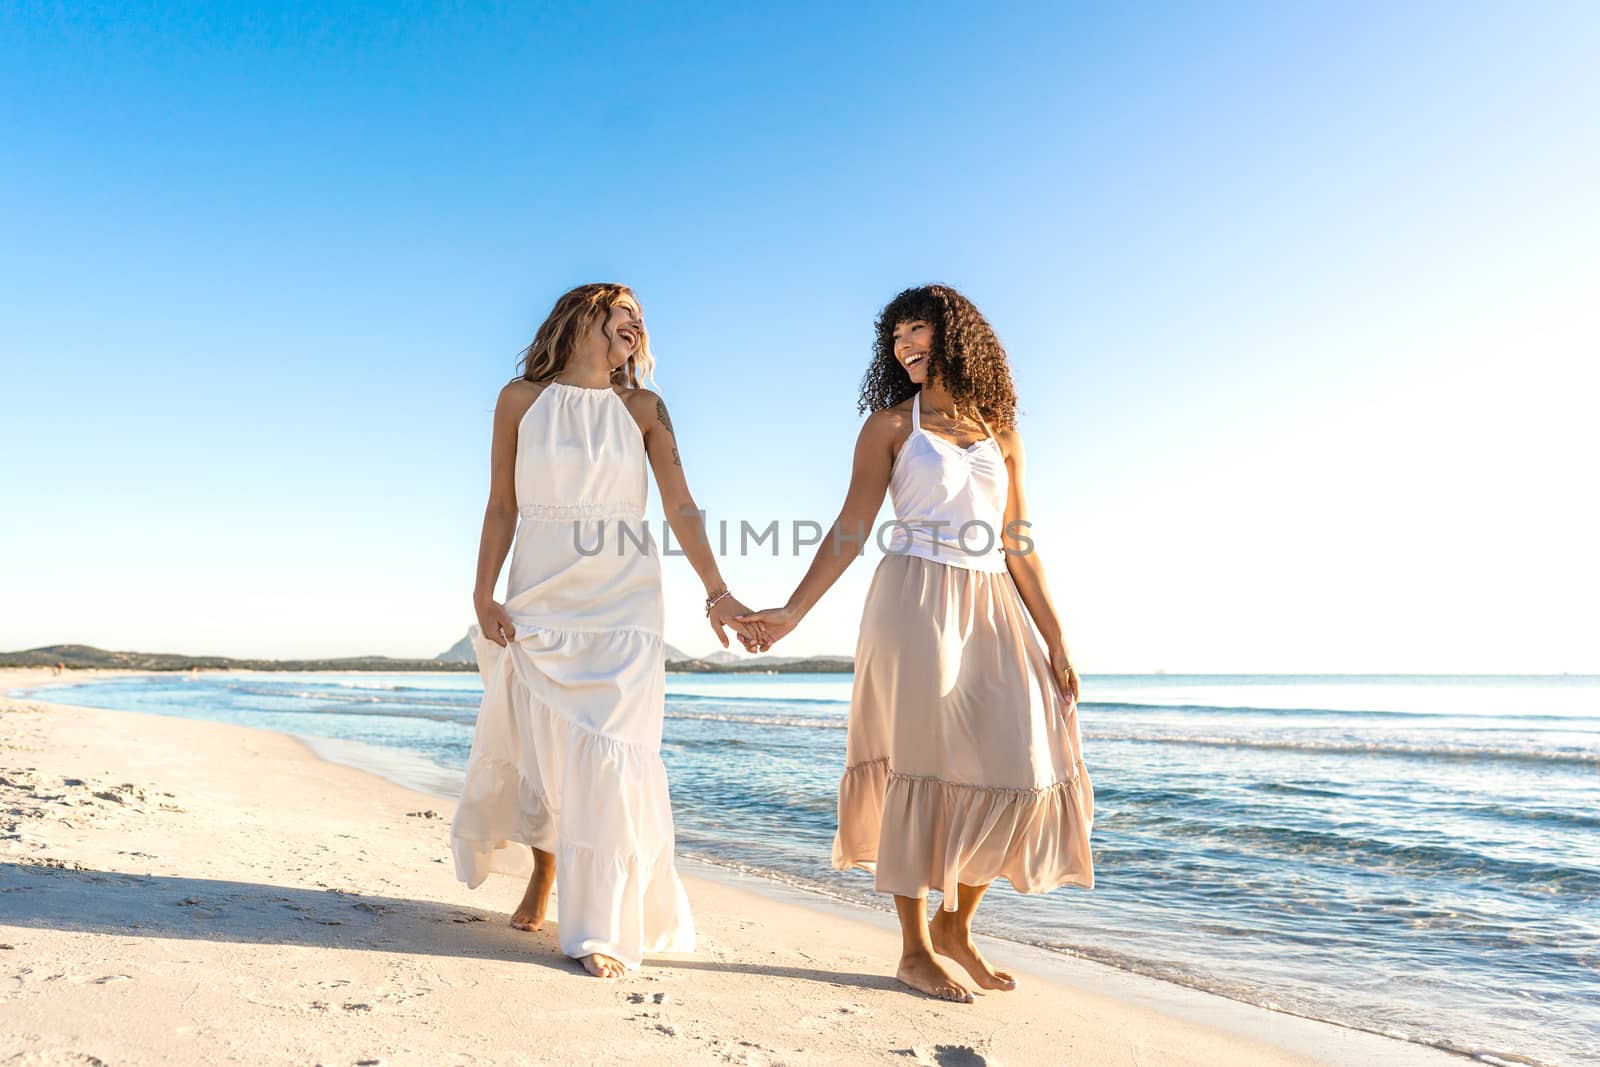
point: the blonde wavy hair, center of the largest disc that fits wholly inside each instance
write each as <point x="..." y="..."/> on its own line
<point x="576" y="311"/>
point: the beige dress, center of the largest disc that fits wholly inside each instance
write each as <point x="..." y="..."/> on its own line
<point x="963" y="760"/>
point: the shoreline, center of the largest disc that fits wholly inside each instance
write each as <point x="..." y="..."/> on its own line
<point x="1130" y="1017"/>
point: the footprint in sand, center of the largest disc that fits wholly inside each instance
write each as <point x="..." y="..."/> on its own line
<point x="946" y="1056"/>
<point x="836" y="1016"/>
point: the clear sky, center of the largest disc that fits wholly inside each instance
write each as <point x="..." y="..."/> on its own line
<point x="1300" y="301"/>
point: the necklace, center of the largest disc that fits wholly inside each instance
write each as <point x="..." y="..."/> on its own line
<point x="952" y="416"/>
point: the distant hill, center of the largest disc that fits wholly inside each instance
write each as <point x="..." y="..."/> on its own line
<point x="722" y="661"/>
<point x="461" y="652"/>
<point x="80" y="657"/>
<point x="728" y="661"/>
<point x="743" y="664"/>
<point x="84" y="656"/>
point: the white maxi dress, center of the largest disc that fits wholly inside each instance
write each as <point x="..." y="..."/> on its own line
<point x="566" y="754"/>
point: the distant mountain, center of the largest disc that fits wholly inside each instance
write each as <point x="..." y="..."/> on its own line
<point x="460" y="652"/>
<point x="785" y="661"/>
<point x="723" y="661"/>
<point x="82" y="656"/>
<point x="730" y="663"/>
<point x="726" y="657"/>
<point x="727" y="661"/>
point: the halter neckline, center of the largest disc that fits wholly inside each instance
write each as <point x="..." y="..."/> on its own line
<point x="584" y="388"/>
<point x="917" y="427"/>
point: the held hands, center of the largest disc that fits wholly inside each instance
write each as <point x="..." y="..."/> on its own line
<point x="772" y="624"/>
<point x="494" y="622"/>
<point x="1065" y="674"/>
<point x="497" y="626"/>
<point x="725" y="613"/>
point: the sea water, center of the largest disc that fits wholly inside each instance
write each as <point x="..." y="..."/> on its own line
<point x="1417" y="856"/>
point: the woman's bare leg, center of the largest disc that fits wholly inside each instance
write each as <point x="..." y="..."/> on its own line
<point x="536" y="901"/>
<point x="530" y="914"/>
<point x="951" y="936"/>
<point x="918" y="967"/>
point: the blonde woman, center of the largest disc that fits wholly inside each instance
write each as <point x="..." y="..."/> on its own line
<point x="566" y="755"/>
<point x="963" y="759"/>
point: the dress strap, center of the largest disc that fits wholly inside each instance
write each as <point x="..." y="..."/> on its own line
<point x="916" y="417"/>
<point x="985" y="426"/>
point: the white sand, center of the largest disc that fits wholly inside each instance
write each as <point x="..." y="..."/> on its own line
<point x="186" y="892"/>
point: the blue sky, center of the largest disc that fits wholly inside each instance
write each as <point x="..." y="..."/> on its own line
<point x="1299" y="304"/>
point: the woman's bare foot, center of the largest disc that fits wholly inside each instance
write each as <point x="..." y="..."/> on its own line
<point x="951" y="941"/>
<point x="536" y="901"/>
<point x="922" y="972"/>
<point x="603" y="966"/>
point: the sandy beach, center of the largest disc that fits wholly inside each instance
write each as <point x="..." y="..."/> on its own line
<point x="174" y="891"/>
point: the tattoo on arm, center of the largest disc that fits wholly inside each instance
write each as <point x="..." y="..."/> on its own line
<point x="666" y="420"/>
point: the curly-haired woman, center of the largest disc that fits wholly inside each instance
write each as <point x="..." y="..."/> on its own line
<point x="566" y="754"/>
<point x="963" y="761"/>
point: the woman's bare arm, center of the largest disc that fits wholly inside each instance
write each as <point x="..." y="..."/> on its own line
<point x="1027" y="568"/>
<point x="500" y="515"/>
<point x="683" y="514"/>
<point x="847" y="538"/>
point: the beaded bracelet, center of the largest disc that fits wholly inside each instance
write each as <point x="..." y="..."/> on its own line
<point x="711" y="602"/>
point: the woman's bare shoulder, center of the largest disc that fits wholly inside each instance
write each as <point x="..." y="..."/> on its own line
<point x="887" y="428"/>
<point x="892" y="419"/>
<point x="639" y="396"/>
<point x="646" y="407"/>
<point x="517" y="397"/>
<point x="1010" y="442"/>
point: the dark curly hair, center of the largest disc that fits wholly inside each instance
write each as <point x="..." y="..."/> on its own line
<point x="967" y="357"/>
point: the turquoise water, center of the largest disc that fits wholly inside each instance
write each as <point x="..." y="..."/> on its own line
<point x="1418" y="856"/>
